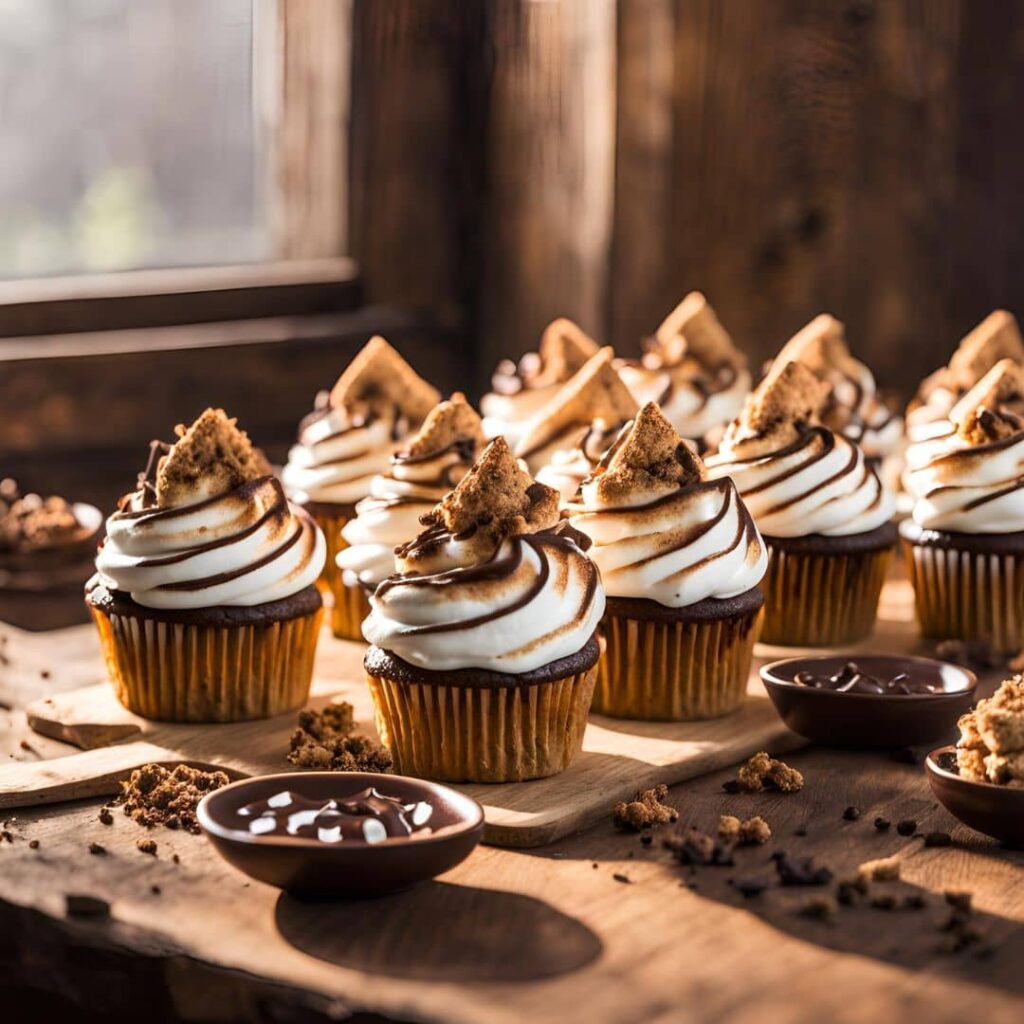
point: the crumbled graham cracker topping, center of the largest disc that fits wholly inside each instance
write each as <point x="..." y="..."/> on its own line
<point x="692" y="329"/>
<point x="379" y="379"/>
<point x="649" y="457"/>
<point x="993" y="408"/>
<point x="596" y="392"/>
<point x="494" y="500"/>
<point x="451" y="422"/>
<point x="29" y="522"/>
<point x="211" y="457"/>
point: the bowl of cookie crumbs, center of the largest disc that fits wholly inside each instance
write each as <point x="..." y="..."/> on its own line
<point x="980" y="781"/>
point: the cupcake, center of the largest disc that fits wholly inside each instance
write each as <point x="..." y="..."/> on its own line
<point x="204" y="592"/>
<point x="520" y="390"/>
<point x="853" y="407"/>
<point x="566" y="438"/>
<point x="692" y="369"/>
<point x="996" y="337"/>
<point x="419" y="476"/>
<point x="349" y="437"/>
<point x="483" y="654"/>
<point x="821" y="509"/>
<point x="680" y="561"/>
<point x="965" y="541"/>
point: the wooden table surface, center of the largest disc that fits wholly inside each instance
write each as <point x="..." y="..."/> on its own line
<point x="597" y="927"/>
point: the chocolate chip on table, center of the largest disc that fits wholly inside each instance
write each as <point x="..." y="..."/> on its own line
<point x="33" y="844"/>
<point x="77" y="905"/>
<point x="625" y="879"/>
<point x="106" y="818"/>
<point x="155" y="890"/>
<point x="938" y="839"/>
<point x="748" y="888"/>
<point x="647" y="839"/>
<point x="906" y="827"/>
<point x="883" y="824"/>
<point x="851" y="813"/>
<point x="960" y="901"/>
<point x="97" y="850"/>
<point x="146" y="846"/>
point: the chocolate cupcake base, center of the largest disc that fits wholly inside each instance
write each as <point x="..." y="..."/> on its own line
<point x="676" y="664"/>
<point x="823" y="591"/>
<point x="967" y="586"/>
<point x="472" y="725"/>
<point x="331" y="518"/>
<point x="226" y="664"/>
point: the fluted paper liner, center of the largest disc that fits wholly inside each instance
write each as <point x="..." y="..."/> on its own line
<point x="178" y="672"/>
<point x="674" y="671"/>
<point x="821" y="600"/>
<point x="483" y="733"/>
<point x="968" y="595"/>
<point x="332" y="525"/>
<point x="351" y="606"/>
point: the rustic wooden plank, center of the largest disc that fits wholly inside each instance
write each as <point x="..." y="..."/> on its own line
<point x="550" y="168"/>
<point x="304" y="65"/>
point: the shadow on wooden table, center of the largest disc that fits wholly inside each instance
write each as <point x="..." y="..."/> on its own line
<point x="441" y="932"/>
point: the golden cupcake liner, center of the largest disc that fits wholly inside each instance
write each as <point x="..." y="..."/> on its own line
<point x="821" y="600"/>
<point x="483" y="733"/>
<point x="188" y="672"/>
<point x="332" y="524"/>
<point x="968" y="595"/>
<point x="674" y="671"/>
<point x="351" y="605"/>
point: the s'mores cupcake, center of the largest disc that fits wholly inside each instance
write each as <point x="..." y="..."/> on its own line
<point x="680" y="560"/>
<point x="853" y="407"/>
<point x="566" y="438"/>
<point x="965" y="541"/>
<point x="520" y="390"/>
<point x="421" y="473"/>
<point x="349" y="437"/>
<point x="484" y="653"/>
<point x="996" y="337"/>
<point x="204" y="594"/>
<point x="692" y="369"/>
<point x="821" y="509"/>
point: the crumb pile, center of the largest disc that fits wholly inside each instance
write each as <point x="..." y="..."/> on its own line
<point x="764" y="772"/>
<point x="154" y="795"/>
<point x="991" y="745"/>
<point x="746" y="832"/>
<point x="649" y="458"/>
<point x="29" y="522"/>
<point x="646" y="810"/>
<point x="327" y="740"/>
<point x="211" y="457"/>
<point x="379" y="381"/>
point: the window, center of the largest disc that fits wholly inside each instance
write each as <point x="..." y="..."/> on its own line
<point x="128" y="136"/>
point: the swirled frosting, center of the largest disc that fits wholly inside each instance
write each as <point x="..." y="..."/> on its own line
<point x="349" y="437"/>
<point x="195" y="538"/>
<point x="520" y="390"/>
<point x="495" y="582"/>
<point x="971" y="480"/>
<point x="691" y="369"/>
<point x="419" y="476"/>
<point x="796" y="476"/>
<point x="570" y="467"/>
<point x="660" y="530"/>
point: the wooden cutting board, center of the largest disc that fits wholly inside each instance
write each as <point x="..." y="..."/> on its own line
<point x="619" y="757"/>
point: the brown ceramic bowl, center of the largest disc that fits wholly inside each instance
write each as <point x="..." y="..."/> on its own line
<point x="308" y="867"/>
<point x="997" y="811"/>
<point x="868" y="719"/>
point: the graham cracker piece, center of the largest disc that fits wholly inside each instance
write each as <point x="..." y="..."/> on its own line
<point x="452" y="422"/>
<point x="996" y="337"/>
<point x="564" y="350"/>
<point x="1000" y="719"/>
<point x="596" y="392"/>
<point x="784" y="404"/>
<point x="649" y="456"/>
<point x="379" y="379"/>
<point x="821" y="345"/>
<point x="693" y="329"/>
<point x="496" y="499"/>
<point x="993" y="408"/>
<point x="211" y="457"/>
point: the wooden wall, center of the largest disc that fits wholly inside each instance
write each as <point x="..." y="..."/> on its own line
<point x="515" y="160"/>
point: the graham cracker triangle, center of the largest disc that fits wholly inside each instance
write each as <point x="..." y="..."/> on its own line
<point x="564" y="349"/>
<point x="820" y="344"/>
<point x="992" y="409"/>
<point x="211" y="457"/>
<point x="450" y="423"/>
<point x="693" y="329"/>
<point x="791" y="396"/>
<point x="996" y="337"/>
<point x="595" y="392"/>
<point x="379" y="379"/>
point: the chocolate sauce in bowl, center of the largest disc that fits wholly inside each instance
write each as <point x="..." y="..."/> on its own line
<point x="368" y="816"/>
<point x="851" y="679"/>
